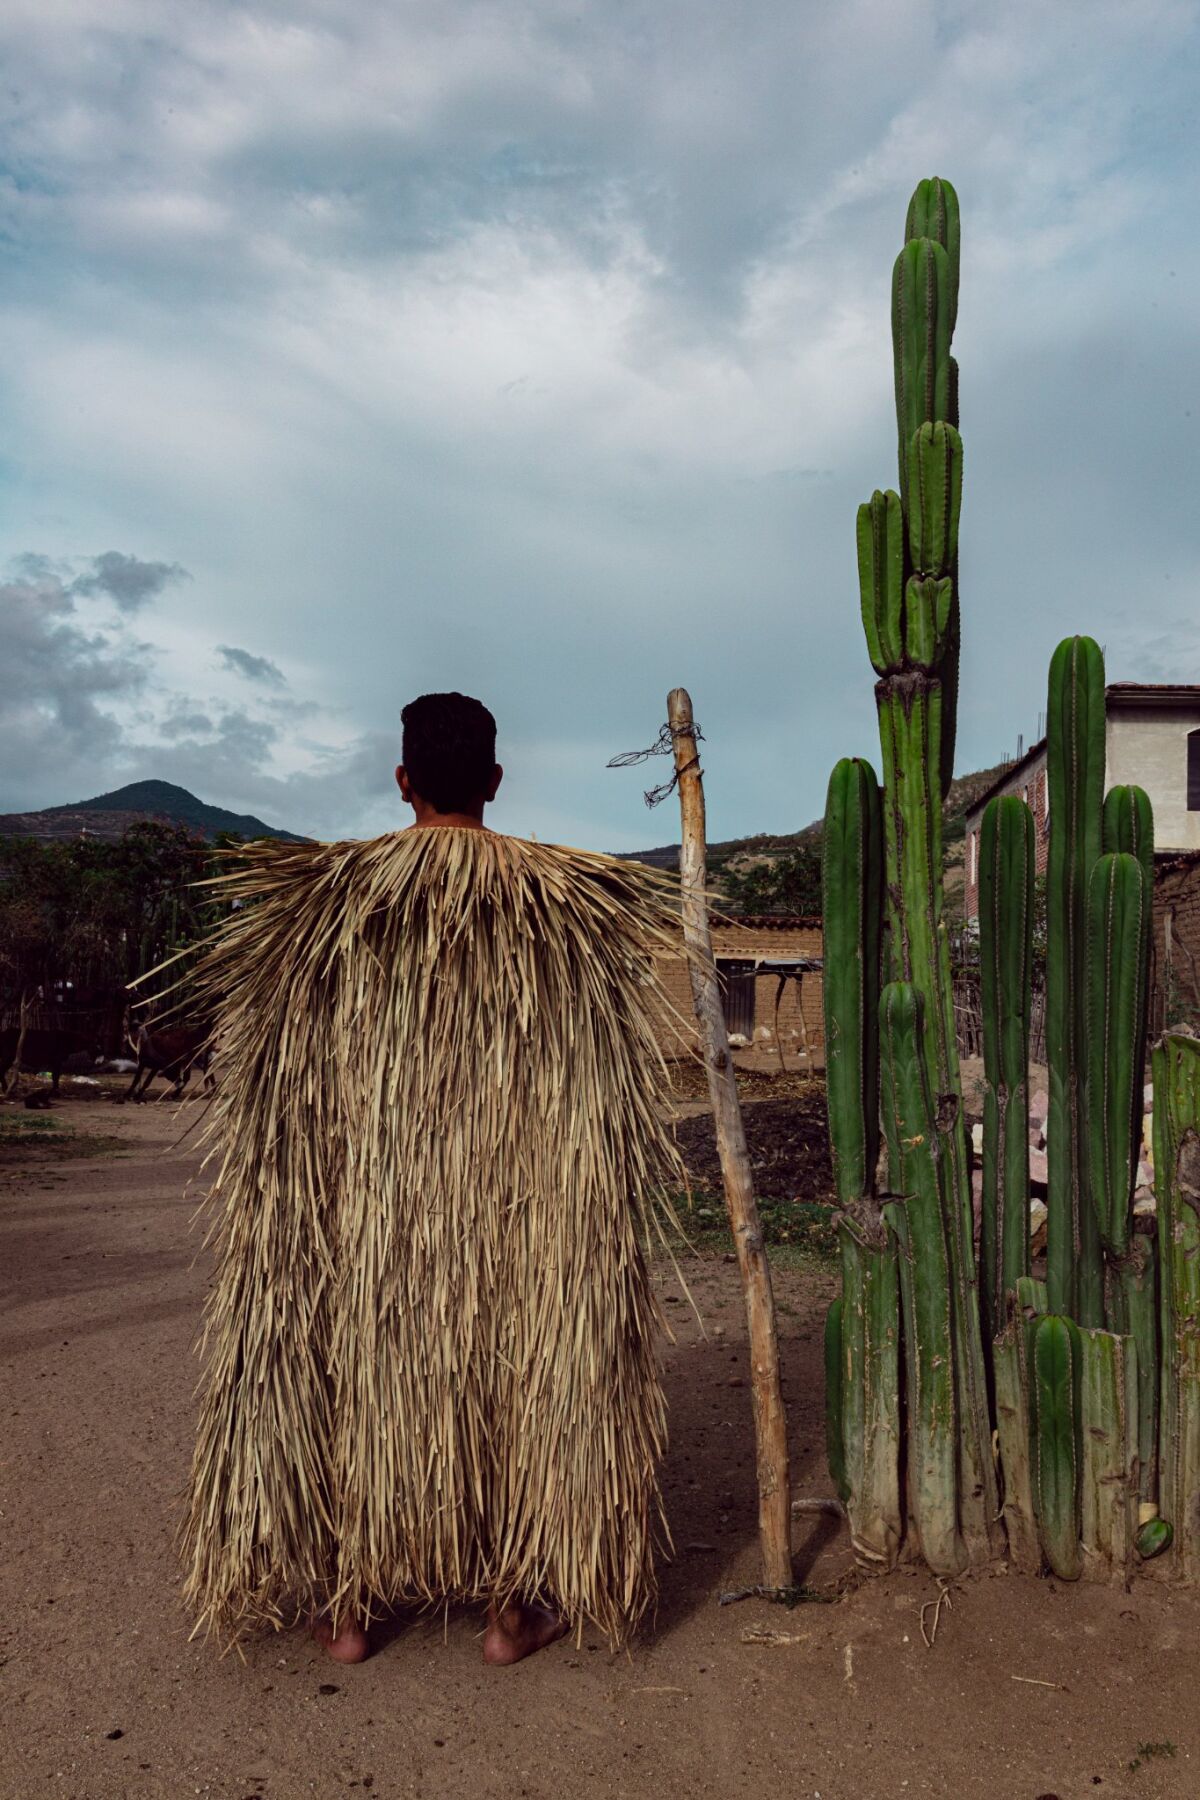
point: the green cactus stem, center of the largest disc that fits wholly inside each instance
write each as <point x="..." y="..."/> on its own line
<point x="1108" y="1439"/>
<point x="870" y="1385"/>
<point x="881" y="579"/>
<point x="1075" y="751"/>
<point x="1118" y="922"/>
<point x="916" y="1217"/>
<point x="934" y="498"/>
<point x="1057" y="1373"/>
<point x="852" y="877"/>
<point x="933" y="213"/>
<point x="1014" y="1432"/>
<point x="1006" y="878"/>
<point x="835" y="1446"/>
<point x="1128" y="824"/>
<point x="922" y="321"/>
<point x="1177" y="1182"/>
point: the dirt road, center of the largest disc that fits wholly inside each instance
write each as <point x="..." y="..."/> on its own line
<point x="1030" y="1690"/>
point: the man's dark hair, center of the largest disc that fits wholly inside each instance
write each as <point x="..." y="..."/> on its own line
<point x="448" y="749"/>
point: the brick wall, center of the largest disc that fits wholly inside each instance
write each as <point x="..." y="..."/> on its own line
<point x="747" y="940"/>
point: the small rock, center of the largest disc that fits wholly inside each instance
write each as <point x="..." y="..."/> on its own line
<point x="1039" y="1173"/>
<point x="1039" y="1107"/>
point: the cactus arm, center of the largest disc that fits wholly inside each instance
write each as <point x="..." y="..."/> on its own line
<point x="1128" y="824"/>
<point x="851" y="875"/>
<point x="933" y="213"/>
<point x="1118" y="929"/>
<point x="1056" y="1362"/>
<point x="934" y="498"/>
<point x="1075" y="752"/>
<point x="921" y="326"/>
<point x="881" y="579"/>
<point x="1006" y="875"/>
<point x="916" y="1218"/>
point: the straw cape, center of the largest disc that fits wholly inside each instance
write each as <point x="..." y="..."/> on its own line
<point x="431" y="1368"/>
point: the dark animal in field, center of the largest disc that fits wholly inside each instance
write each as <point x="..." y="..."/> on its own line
<point x="172" y="1052"/>
<point x="45" y="1047"/>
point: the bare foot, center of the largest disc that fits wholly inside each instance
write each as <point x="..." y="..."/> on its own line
<point x="519" y="1631"/>
<point x="346" y="1645"/>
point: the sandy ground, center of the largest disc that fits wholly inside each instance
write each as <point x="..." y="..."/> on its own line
<point x="1030" y="1691"/>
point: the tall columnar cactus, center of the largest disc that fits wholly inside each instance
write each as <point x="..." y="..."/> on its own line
<point x="916" y="1169"/>
<point x="1118" y="927"/>
<point x="1096" y="1373"/>
<point x="852" y="874"/>
<point x="908" y="568"/>
<point x="1006" y="887"/>
<point x="1075" y="773"/>
<point x="1177" y="1181"/>
<point x="1108" y="1441"/>
<point x="862" y="1334"/>
<point x="870" y="1386"/>
<point x="1057" y="1371"/>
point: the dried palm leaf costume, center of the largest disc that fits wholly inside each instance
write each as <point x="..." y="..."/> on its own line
<point x="431" y="1364"/>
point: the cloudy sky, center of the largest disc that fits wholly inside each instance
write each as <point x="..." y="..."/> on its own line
<point x="539" y="348"/>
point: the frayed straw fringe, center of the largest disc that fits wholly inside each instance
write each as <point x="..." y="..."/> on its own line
<point x="431" y="1365"/>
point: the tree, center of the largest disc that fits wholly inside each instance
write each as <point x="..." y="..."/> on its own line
<point x="789" y="883"/>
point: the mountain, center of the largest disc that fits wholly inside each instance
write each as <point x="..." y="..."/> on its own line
<point x="109" y="816"/>
<point x="741" y="853"/>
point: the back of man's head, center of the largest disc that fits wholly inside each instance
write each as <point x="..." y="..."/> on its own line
<point x="449" y="750"/>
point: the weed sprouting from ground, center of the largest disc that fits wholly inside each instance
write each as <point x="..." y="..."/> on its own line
<point x="1146" y="1751"/>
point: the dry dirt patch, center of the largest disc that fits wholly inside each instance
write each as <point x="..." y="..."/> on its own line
<point x="1030" y="1690"/>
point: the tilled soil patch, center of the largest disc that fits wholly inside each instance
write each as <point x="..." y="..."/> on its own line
<point x="788" y="1141"/>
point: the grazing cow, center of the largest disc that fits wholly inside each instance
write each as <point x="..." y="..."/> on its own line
<point x="45" y="1047"/>
<point x="171" y="1051"/>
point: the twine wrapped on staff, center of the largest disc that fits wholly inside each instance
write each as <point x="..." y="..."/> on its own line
<point x="431" y="1366"/>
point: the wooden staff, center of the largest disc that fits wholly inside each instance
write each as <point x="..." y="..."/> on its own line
<point x="770" y="1421"/>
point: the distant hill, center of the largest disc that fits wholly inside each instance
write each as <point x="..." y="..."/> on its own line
<point x="109" y="816"/>
<point x="742" y="852"/>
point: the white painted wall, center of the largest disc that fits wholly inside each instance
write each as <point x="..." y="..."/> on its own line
<point x="1150" y="749"/>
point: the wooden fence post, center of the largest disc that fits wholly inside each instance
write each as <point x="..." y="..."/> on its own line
<point x="770" y="1420"/>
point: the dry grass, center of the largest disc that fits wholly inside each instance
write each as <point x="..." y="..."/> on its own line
<point x="431" y="1369"/>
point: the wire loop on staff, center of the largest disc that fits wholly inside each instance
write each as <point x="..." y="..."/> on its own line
<point x="663" y="745"/>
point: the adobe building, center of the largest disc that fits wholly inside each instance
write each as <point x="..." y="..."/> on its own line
<point x="769" y="965"/>
<point x="1152" y="740"/>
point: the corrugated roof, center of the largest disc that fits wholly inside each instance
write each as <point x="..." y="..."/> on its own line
<point x="766" y="921"/>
